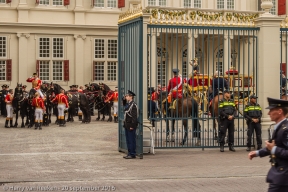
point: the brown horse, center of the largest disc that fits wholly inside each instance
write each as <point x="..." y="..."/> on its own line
<point x="214" y="110"/>
<point x="186" y="108"/>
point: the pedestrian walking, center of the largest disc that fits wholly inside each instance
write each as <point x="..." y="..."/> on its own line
<point x="276" y="147"/>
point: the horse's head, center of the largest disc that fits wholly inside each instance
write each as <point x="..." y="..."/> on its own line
<point x="18" y="92"/>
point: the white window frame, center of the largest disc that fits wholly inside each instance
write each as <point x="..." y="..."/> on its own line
<point x="106" y="60"/>
<point x="6" y="48"/>
<point x="192" y="4"/>
<point x="3" y="59"/>
<point x="106" y="5"/>
<point x="225" y="5"/>
<point x="2" y="2"/>
<point x="51" y="4"/>
<point x="51" y="57"/>
<point x="274" y="9"/>
<point x="157" y="3"/>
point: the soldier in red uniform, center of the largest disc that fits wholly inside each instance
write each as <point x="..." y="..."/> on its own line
<point x="38" y="103"/>
<point x="9" y="108"/>
<point x="175" y="85"/>
<point x="61" y="99"/>
<point x="114" y="97"/>
<point x="36" y="83"/>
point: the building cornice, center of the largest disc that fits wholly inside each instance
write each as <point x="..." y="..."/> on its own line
<point x="58" y="25"/>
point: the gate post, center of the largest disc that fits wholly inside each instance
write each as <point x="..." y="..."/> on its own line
<point x="268" y="72"/>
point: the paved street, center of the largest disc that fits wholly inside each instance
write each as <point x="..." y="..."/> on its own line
<point x="84" y="157"/>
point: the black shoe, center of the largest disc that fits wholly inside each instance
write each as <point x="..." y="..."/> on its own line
<point x="221" y="148"/>
<point x="125" y="156"/>
<point x="248" y="149"/>
<point x="130" y="157"/>
<point x="231" y="148"/>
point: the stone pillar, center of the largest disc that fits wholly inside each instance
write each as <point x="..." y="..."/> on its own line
<point x="153" y="64"/>
<point x="23" y="48"/>
<point x="268" y="71"/>
<point x="79" y="13"/>
<point x="23" y="12"/>
<point x="79" y="59"/>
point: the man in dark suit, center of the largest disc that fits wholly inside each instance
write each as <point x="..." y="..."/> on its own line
<point x="276" y="147"/>
<point x="218" y="84"/>
<point x="130" y="124"/>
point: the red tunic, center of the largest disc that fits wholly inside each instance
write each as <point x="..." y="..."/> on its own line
<point x="38" y="103"/>
<point x="8" y="98"/>
<point x="36" y="82"/>
<point x="154" y="96"/>
<point x="115" y="96"/>
<point x="175" y="86"/>
<point x="61" y="99"/>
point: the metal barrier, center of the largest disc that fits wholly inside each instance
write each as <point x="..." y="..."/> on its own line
<point x="198" y="46"/>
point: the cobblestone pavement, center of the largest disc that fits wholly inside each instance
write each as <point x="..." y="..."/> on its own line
<point x="85" y="157"/>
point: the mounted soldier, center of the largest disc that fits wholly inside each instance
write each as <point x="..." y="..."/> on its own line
<point x="219" y="84"/>
<point x="175" y="86"/>
<point x="36" y="83"/>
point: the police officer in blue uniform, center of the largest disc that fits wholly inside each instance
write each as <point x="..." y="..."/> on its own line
<point x="130" y="124"/>
<point x="218" y="84"/>
<point x="276" y="147"/>
<point x="253" y="114"/>
<point x="226" y="120"/>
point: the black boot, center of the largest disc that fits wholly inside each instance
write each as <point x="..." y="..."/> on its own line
<point x="6" y="124"/>
<point x="60" y="123"/>
<point x="248" y="149"/>
<point x="115" y="119"/>
<point x="11" y="123"/>
<point x="80" y="117"/>
<point x="259" y="147"/>
<point x="36" y="125"/>
<point x="231" y="148"/>
<point x="40" y="126"/>
<point x="222" y="147"/>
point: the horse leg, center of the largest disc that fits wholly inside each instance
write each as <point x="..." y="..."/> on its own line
<point x="110" y="116"/>
<point x="16" y="118"/>
<point x="184" y="123"/>
<point x="22" y="124"/>
<point x="173" y="131"/>
<point x="103" y="117"/>
<point x="215" y="128"/>
<point x="98" y="118"/>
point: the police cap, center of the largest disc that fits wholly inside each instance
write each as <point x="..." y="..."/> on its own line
<point x="130" y="93"/>
<point x="226" y="91"/>
<point x="253" y="97"/>
<point x="4" y="86"/>
<point x="273" y="103"/>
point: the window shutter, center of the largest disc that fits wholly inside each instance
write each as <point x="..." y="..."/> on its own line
<point x="281" y="7"/>
<point x="66" y="2"/>
<point x="37" y="2"/>
<point x="66" y="70"/>
<point x="93" y="71"/>
<point x="121" y="3"/>
<point x="8" y="1"/>
<point x="9" y="70"/>
<point x="283" y="68"/>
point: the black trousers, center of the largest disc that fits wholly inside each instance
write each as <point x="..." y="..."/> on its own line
<point x="251" y="127"/>
<point x="3" y="109"/>
<point x="277" y="188"/>
<point x="226" y="124"/>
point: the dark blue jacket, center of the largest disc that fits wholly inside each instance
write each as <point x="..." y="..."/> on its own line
<point x="278" y="174"/>
<point x="219" y="83"/>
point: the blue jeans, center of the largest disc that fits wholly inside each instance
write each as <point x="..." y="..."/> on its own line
<point x="131" y="141"/>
